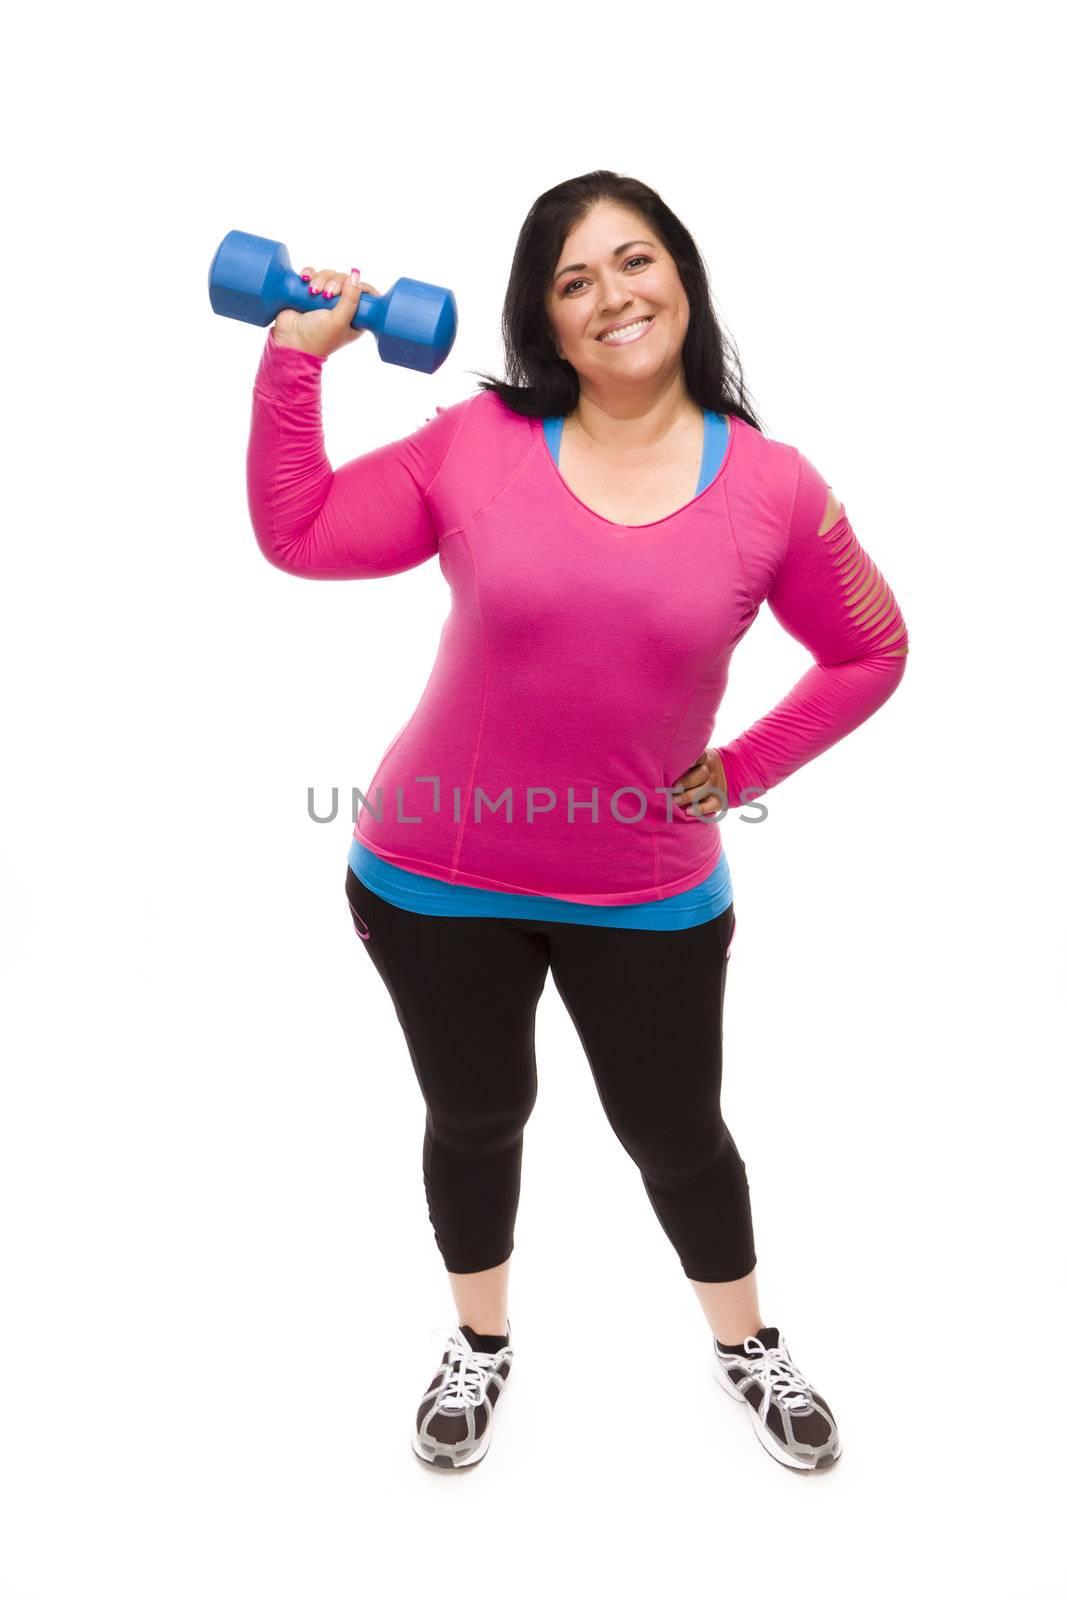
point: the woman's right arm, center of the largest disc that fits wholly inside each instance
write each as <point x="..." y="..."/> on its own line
<point x="366" y="520"/>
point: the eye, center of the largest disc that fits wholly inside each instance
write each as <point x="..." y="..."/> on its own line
<point x="573" y="281"/>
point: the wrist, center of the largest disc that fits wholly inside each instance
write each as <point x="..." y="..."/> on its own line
<point x="288" y="374"/>
<point x="280" y="342"/>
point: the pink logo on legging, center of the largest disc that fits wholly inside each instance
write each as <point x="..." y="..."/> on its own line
<point x="358" y="922"/>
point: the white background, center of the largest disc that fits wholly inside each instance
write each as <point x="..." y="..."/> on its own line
<point x="217" y="1274"/>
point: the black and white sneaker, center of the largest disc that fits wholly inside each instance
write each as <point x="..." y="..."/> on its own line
<point x="792" y="1422"/>
<point x="454" y="1422"/>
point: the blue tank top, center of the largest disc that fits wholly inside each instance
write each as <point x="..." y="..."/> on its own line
<point x="414" y="891"/>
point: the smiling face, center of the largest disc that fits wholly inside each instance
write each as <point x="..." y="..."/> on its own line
<point x="612" y="270"/>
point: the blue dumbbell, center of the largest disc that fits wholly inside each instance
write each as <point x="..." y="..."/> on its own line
<point x="252" y="279"/>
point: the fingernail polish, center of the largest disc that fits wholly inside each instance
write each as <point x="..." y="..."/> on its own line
<point x="306" y="276"/>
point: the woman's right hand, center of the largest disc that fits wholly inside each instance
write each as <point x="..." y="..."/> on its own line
<point x="320" y="333"/>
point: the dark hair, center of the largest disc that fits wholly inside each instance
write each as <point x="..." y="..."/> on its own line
<point x="543" y="384"/>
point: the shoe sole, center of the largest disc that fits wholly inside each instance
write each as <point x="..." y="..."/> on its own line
<point x="767" y="1439"/>
<point x="445" y="1461"/>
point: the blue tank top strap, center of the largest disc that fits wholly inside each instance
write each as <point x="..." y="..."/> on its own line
<point x="552" y="428"/>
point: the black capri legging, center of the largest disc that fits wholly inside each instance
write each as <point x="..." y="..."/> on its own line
<point x="648" y="1007"/>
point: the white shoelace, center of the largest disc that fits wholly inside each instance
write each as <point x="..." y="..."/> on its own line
<point x="780" y="1378"/>
<point x="466" y="1381"/>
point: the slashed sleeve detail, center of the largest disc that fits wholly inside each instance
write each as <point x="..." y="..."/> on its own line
<point x="828" y="594"/>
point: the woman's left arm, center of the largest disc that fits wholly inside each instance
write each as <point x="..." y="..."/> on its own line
<point x="827" y="593"/>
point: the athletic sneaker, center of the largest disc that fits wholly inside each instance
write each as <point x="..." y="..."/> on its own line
<point x="455" y="1416"/>
<point x="792" y="1422"/>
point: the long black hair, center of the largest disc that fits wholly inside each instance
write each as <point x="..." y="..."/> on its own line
<point x="540" y="383"/>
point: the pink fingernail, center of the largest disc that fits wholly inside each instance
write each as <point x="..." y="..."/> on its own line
<point x="353" y="269"/>
<point x="306" y="276"/>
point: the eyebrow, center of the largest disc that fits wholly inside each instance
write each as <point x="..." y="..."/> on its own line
<point x="582" y="266"/>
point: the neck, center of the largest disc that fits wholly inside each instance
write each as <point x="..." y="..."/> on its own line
<point x="634" y="420"/>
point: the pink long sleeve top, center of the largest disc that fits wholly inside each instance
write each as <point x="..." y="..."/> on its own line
<point x="582" y="663"/>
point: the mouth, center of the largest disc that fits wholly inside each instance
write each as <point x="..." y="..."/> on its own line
<point x="635" y="329"/>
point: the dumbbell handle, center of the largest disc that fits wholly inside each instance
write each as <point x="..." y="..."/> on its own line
<point x="295" y="295"/>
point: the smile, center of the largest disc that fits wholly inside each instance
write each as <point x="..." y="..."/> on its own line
<point x="627" y="335"/>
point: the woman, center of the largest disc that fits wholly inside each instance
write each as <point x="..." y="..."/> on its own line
<point x="552" y="803"/>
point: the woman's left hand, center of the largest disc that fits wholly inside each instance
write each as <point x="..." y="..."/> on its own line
<point x="706" y="774"/>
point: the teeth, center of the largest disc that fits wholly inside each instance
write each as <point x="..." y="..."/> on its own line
<point x="618" y="334"/>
